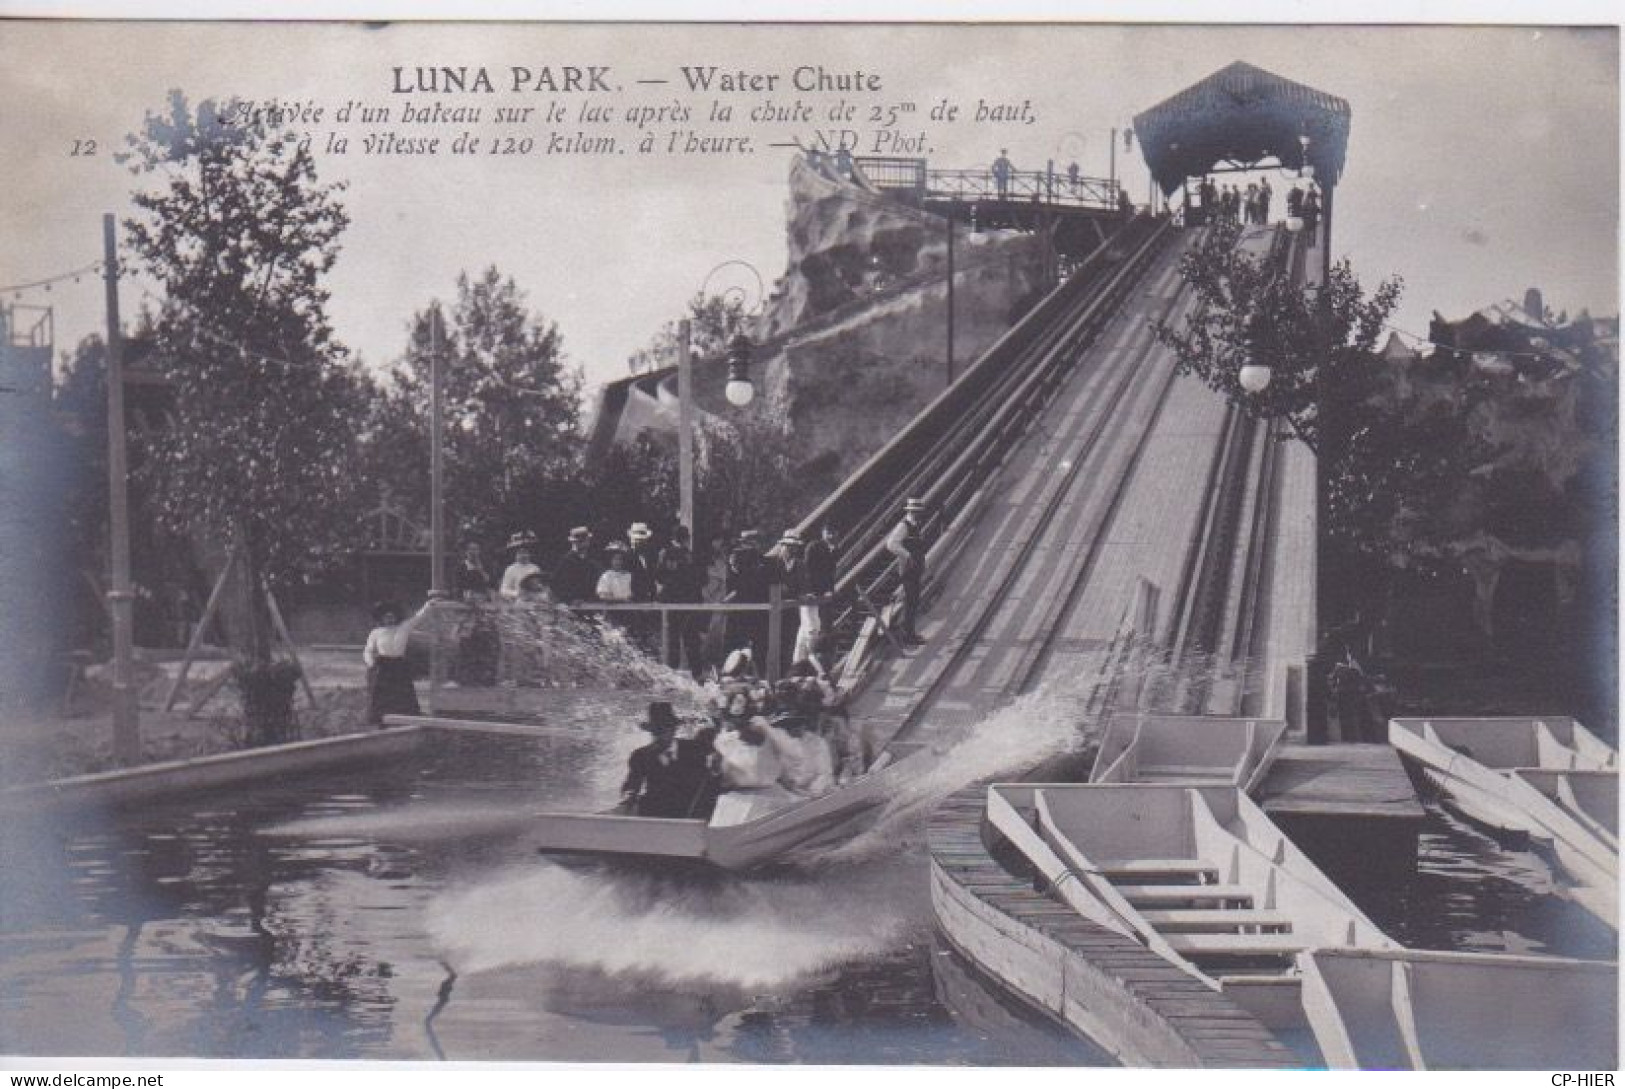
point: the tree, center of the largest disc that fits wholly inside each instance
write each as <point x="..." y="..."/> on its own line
<point x="238" y="231"/>
<point x="712" y="319"/>
<point x="1328" y="384"/>
<point x="512" y="409"/>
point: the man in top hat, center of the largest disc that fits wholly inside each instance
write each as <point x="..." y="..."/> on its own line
<point x="671" y="776"/>
<point x="907" y="543"/>
<point x="522" y="545"/>
<point x="576" y="576"/>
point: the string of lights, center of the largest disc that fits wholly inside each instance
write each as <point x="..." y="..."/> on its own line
<point x="75" y="274"/>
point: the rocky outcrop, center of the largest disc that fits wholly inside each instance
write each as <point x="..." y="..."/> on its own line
<point x="852" y="338"/>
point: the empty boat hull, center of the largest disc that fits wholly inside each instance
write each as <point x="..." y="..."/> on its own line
<point x="1422" y="1010"/>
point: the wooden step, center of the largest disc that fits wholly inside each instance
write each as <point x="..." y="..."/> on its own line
<point x="1174" y="920"/>
<point x="1184" y="772"/>
<point x="1164" y="895"/>
<point x="1194" y="870"/>
<point x="1236" y="945"/>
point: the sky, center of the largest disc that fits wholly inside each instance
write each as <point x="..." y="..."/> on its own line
<point x="1482" y="160"/>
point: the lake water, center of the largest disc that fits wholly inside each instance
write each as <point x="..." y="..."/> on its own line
<point x="399" y="913"/>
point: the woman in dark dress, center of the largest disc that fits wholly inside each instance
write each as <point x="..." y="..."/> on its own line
<point x="389" y="674"/>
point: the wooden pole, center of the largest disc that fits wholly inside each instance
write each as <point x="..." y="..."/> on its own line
<point x="195" y="644"/>
<point x="685" y="431"/>
<point x="286" y="636"/>
<point x="126" y="713"/>
<point x="775" y="631"/>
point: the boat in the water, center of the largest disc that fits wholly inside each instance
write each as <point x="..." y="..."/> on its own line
<point x="1143" y="748"/>
<point x="1199" y="874"/>
<point x="1548" y="779"/>
<point x="742" y="833"/>
<point x="1412" y="1009"/>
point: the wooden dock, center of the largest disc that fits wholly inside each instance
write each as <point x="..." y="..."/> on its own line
<point x="1113" y="990"/>
<point x="1351" y="808"/>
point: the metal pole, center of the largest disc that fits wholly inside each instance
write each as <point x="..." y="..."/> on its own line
<point x="950" y="293"/>
<point x="126" y="713"/>
<point x="437" y="504"/>
<point x="685" y="431"/>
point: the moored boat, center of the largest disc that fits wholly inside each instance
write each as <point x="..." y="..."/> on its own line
<point x="1548" y="779"/>
<point x="1412" y="1009"/>
<point x="1198" y="874"/>
<point x="1143" y="748"/>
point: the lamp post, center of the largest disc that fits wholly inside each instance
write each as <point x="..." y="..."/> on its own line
<point x="120" y="597"/>
<point x="739" y="390"/>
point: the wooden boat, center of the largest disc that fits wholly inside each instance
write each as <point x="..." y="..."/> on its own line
<point x="737" y="837"/>
<point x="1186" y="749"/>
<point x="1548" y="779"/>
<point x="1411" y="1009"/>
<point x="1198" y="874"/>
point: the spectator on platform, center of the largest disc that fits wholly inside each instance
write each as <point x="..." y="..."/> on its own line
<point x="615" y="585"/>
<point x="1250" y="203"/>
<point x="478" y="644"/>
<point x="1264" y="195"/>
<point x="1311" y="213"/>
<point x="748" y="580"/>
<point x="679" y="581"/>
<point x="521" y="544"/>
<point x="796" y="580"/>
<point x="473" y="582"/>
<point x="823" y="558"/>
<point x="642" y="561"/>
<point x="1072" y="174"/>
<point x="1294" y="202"/>
<point x="576" y="576"/>
<point x="843" y="163"/>
<point x="1125" y="206"/>
<point x="1001" y="173"/>
<point x="714" y="591"/>
<point x="389" y="673"/>
<point x="907" y="543"/>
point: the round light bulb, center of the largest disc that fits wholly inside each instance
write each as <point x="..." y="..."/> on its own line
<point x="739" y="392"/>
<point x="1254" y="377"/>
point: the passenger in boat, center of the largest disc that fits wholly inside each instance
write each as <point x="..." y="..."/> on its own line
<point x="472" y="581"/>
<point x="389" y="674"/>
<point x="748" y="761"/>
<point x="477" y="640"/>
<point x="809" y="763"/>
<point x="671" y="776"/>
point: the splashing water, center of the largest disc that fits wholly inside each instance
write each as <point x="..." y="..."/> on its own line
<point x="546" y="644"/>
<point x="756" y="934"/>
<point x="1018" y="736"/>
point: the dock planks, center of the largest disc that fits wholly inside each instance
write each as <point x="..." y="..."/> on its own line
<point x="1365" y="782"/>
<point x="1194" y="1020"/>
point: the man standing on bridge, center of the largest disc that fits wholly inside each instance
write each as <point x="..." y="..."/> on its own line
<point x="1001" y="173"/>
<point x="907" y="543"/>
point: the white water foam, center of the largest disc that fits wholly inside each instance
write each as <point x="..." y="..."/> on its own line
<point x="745" y="933"/>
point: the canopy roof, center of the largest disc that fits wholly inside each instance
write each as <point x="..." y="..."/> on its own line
<point x="1243" y="115"/>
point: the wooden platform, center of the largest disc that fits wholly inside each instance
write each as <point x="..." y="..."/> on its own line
<point x="1109" y="988"/>
<point x="1354" y="782"/>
